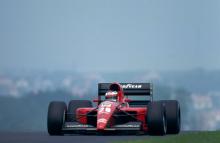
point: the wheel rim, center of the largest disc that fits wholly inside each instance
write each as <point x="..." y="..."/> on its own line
<point x="164" y="125"/>
<point x="179" y="120"/>
<point x="64" y="116"/>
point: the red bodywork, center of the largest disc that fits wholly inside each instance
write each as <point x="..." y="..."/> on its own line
<point x="106" y="110"/>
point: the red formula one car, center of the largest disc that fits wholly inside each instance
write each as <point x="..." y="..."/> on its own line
<point x="115" y="112"/>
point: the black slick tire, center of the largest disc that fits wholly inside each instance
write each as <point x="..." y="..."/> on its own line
<point x="156" y="118"/>
<point x="173" y="116"/>
<point x="56" y="117"/>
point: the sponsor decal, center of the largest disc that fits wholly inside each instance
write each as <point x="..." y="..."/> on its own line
<point x="106" y="104"/>
<point x="77" y="126"/>
<point x="126" y="86"/>
<point x="128" y="126"/>
<point x="102" y="120"/>
<point x="112" y="93"/>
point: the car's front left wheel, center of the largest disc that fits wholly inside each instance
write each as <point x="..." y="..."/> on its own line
<point x="56" y="117"/>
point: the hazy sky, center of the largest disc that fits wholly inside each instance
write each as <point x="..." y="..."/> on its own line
<point x="115" y="35"/>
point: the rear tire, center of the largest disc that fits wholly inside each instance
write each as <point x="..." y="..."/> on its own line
<point x="156" y="119"/>
<point x="173" y="116"/>
<point x="56" y="117"/>
<point x="73" y="106"/>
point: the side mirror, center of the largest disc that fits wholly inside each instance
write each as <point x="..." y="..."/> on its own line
<point x="127" y="100"/>
<point x="95" y="100"/>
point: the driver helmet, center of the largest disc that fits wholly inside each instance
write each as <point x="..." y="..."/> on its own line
<point x="111" y="95"/>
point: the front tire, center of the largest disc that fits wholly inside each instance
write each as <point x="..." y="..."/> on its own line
<point x="56" y="117"/>
<point x="156" y="119"/>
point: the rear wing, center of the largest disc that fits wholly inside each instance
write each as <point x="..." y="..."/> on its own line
<point x="130" y="89"/>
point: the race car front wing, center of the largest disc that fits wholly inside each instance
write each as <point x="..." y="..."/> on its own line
<point x="77" y="127"/>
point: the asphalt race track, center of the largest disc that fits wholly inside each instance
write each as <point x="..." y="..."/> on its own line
<point x="43" y="137"/>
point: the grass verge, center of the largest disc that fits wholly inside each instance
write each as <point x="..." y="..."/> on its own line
<point x="185" y="137"/>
